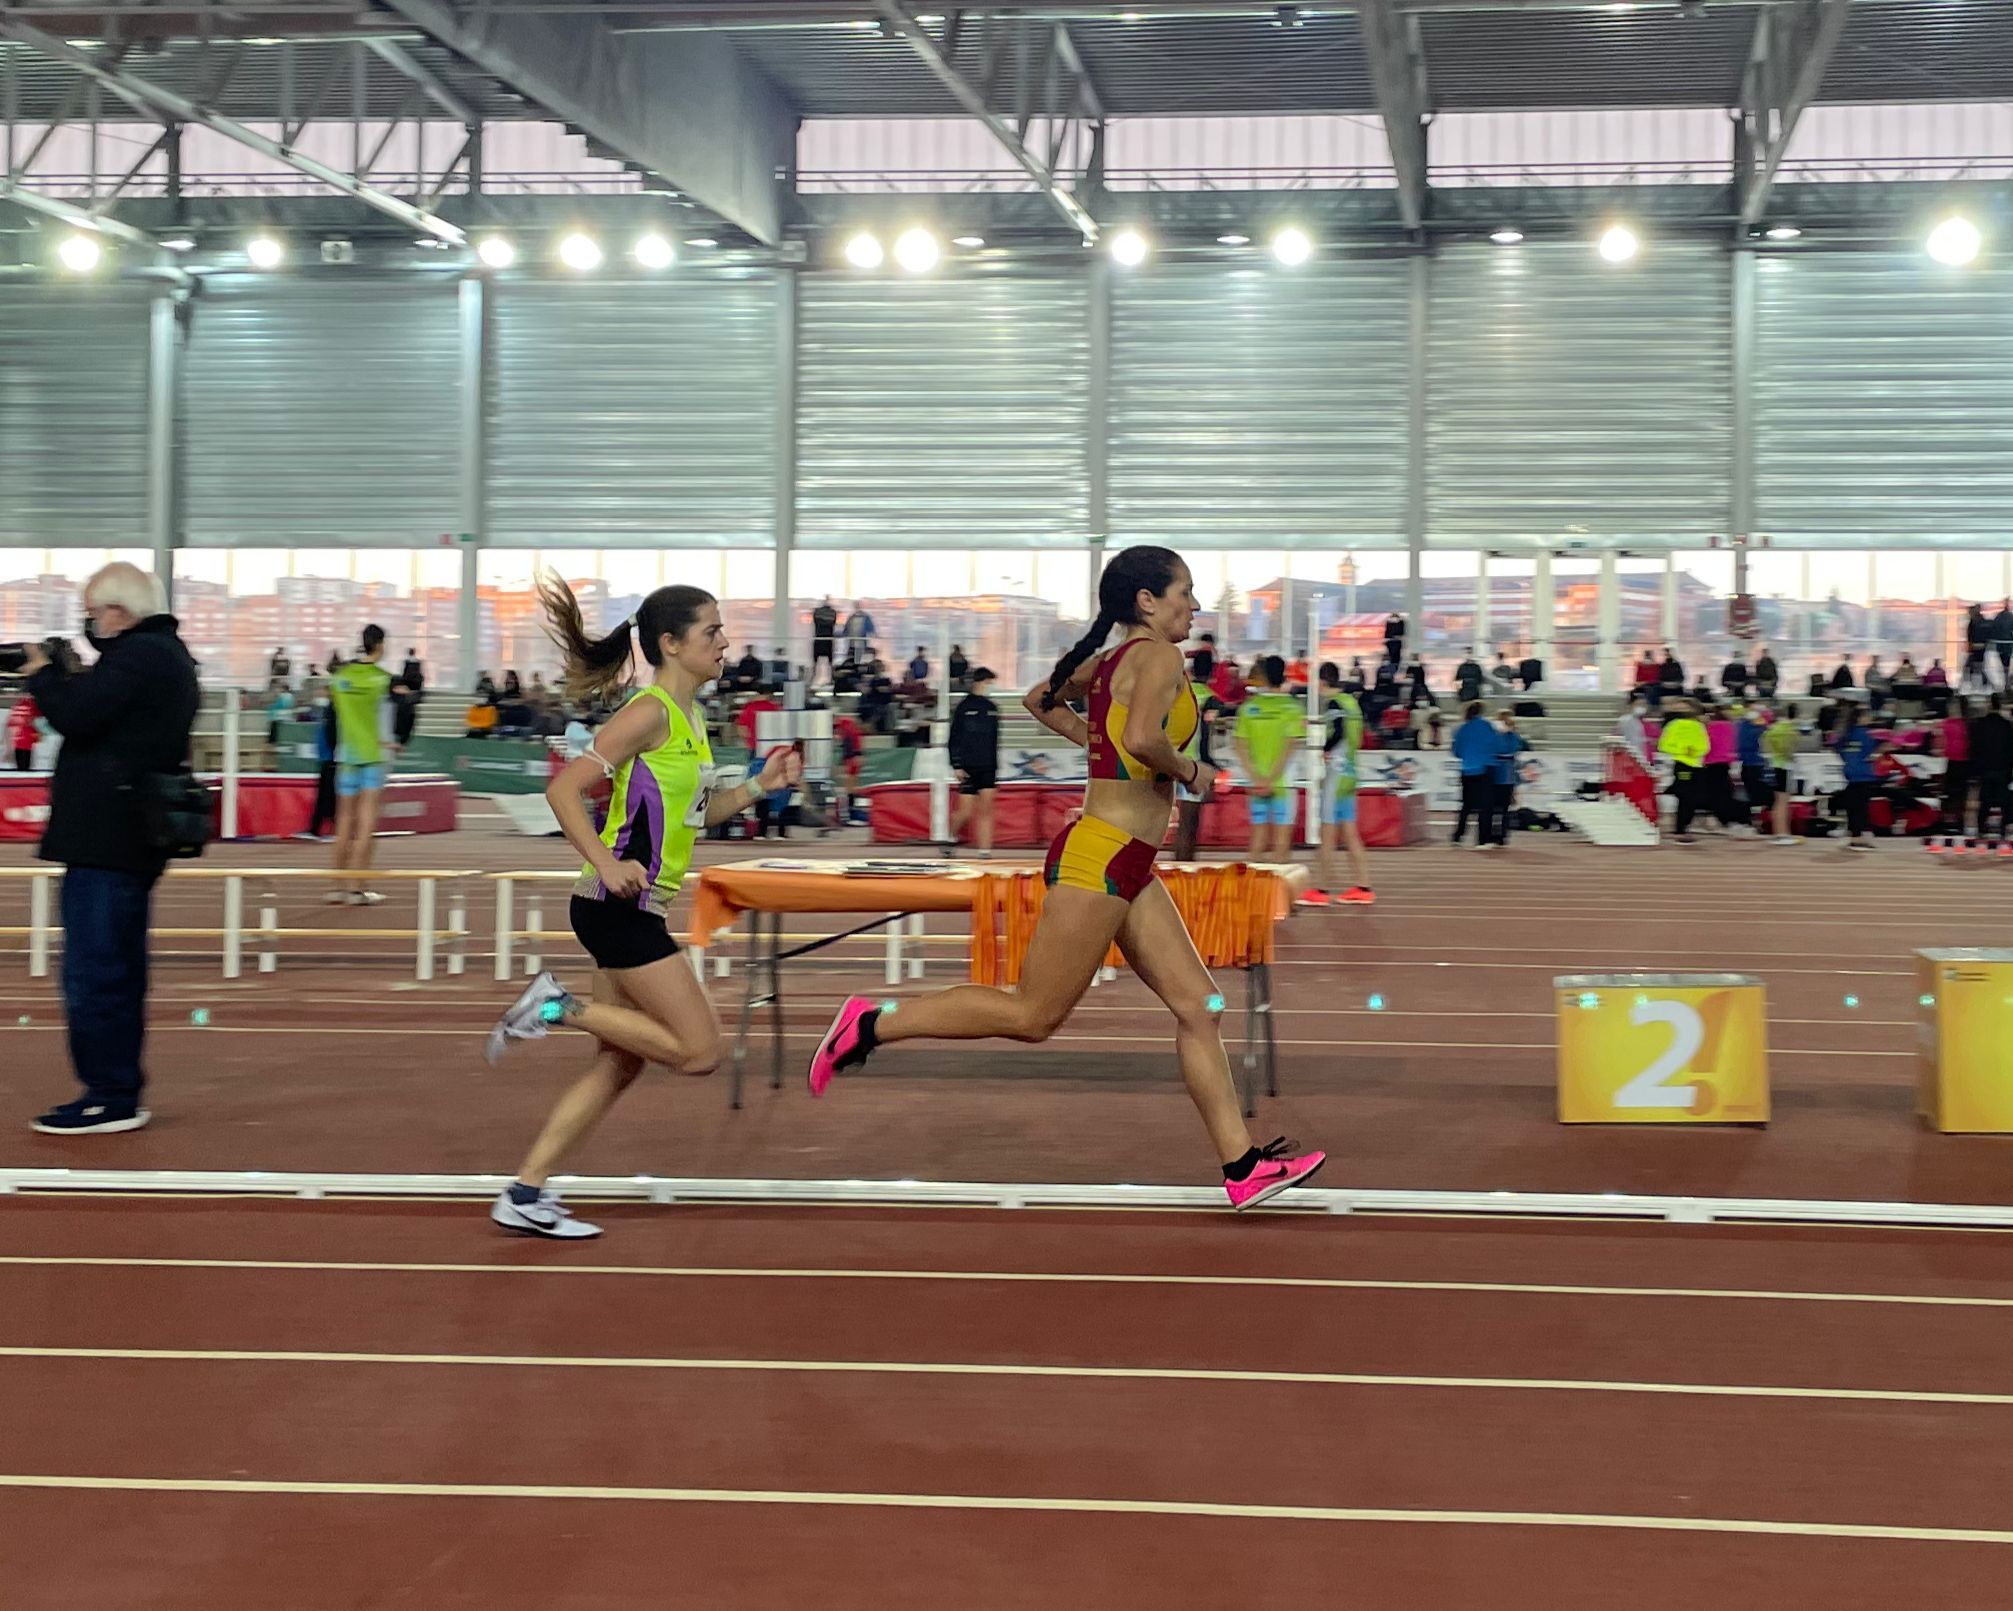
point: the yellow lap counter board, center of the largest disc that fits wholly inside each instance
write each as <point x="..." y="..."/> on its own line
<point x="1964" y="1040"/>
<point x="1662" y="1048"/>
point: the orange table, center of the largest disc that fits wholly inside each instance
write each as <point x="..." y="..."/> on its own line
<point x="1230" y="908"/>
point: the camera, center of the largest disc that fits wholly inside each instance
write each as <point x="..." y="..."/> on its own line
<point x="13" y="656"/>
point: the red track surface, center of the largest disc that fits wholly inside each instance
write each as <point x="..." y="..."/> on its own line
<point x="1391" y="1433"/>
<point x="1454" y="1454"/>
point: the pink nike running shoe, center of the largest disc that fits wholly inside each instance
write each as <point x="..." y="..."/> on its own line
<point x="1277" y="1168"/>
<point x="844" y="1045"/>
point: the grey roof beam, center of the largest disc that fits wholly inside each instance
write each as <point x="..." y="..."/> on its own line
<point x="1088" y="95"/>
<point x="968" y="95"/>
<point x="397" y="57"/>
<point x="688" y="108"/>
<point x="87" y="222"/>
<point x="140" y="93"/>
<point x="1398" y="75"/>
<point x="1785" y="70"/>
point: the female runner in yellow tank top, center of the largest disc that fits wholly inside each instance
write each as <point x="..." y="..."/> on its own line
<point x="647" y="1006"/>
<point x="1100" y="874"/>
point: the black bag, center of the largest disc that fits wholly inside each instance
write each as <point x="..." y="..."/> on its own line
<point x="174" y="811"/>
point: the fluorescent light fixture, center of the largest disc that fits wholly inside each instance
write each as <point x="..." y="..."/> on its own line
<point x="1292" y="246"/>
<point x="493" y="251"/>
<point x="1129" y="248"/>
<point x="1618" y="243"/>
<point x="863" y="251"/>
<point x="970" y="243"/>
<point x="702" y="242"/>
<point x="80" y="253"/>
<point x="265" y="252"/>
<point x="1955" y="241"/>
<point x="1233" y="240"/>
<point x="654" y="252"/>
<point x="1783" y="232"/>
<point x="917" y="251"/>
<point x="1507" y="237"/>
<point x="581" y="253"/>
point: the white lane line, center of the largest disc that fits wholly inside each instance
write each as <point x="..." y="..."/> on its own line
<point x="1102" y="1373"/>
<point x="1017" y="1502"/>
<point x="702" y="1272"/>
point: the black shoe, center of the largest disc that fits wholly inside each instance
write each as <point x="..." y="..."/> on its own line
<point x="88" y="1116"/>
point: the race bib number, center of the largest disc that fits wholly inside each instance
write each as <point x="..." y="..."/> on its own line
<point x="702" y="797"/>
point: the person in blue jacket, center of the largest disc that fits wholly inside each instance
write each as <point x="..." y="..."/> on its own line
<point x="1503" y="795"/>
<point x="1857" y="745"/>
<point x="1474" y="749"/>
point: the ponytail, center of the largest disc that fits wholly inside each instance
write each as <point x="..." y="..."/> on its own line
<point x="1133" y="571"/>
<point x="1082" y="650"/>
<point x="599" y="669"/>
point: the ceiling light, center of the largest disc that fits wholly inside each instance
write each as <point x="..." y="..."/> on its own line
<point x="970" y="243"/>
<point x="495" y="252"/>
<point x="703" y="242"/>
<point x="1292" y="247"/>
<point x="264" y="252"/>
<point x="581" y="253"/>
<point x="1129" y="248"/>
<point x="654" y="252"/>
<point x="917" y="251"/>
<point x="1783" y="232"/>
<point x="1619" y="243"/>
<point x="80" y="253"/>
<point x="1128" y="16"/>
<point x="863" y="251"/>
<point x="1954" y="242"/>
<point x="178" y="243"/>
<point x="1233" y="240"/>
<point x="1507" y="237"/>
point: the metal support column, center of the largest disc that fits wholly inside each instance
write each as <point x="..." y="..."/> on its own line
<point x="474" y="452"/>
<point x="1740" y="510"/>
<point x="164" y="386"/>
<point x="786" y="449"/>
<point x="1610" y="617"/>
<point x="1482" y="627"/>
<point x="1097" y="442"/>
<point x="1667" y="621"/>
<point x="1415" y="447"/>
<point x="1544" y="610"/>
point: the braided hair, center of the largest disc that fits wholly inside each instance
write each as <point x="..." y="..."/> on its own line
<point x="1135" y="570"/>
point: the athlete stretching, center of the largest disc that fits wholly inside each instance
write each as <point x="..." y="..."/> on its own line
<point x="1100" y="874"/>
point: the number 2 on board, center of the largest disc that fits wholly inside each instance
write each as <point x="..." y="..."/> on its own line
<point x="1647" y="1089"/>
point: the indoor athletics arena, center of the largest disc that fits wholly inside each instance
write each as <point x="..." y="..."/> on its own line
<point x="834" y="804"/>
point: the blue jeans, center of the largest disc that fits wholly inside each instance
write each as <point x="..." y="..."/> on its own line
<point x="105" y="918"/>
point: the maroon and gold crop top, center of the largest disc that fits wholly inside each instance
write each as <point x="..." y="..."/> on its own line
<point x="1109" y="757"/>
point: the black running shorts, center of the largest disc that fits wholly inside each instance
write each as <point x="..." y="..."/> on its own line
<point x="618" y="935"/>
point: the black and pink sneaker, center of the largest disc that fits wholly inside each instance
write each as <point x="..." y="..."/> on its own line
<point x="846" y="1043"/>
<point x="1276" y="1170"/>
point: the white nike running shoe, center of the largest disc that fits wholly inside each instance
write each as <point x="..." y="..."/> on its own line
<point x="546" y="1217"/>
<point x="526" y="1018"/>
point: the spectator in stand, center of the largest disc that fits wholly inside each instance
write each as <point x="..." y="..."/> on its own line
<point x="1992" y="765"/>
<point x="859" y="630"/>
<point x="321" y="826"/>
<point x="824" y="624"/>
<point x="1879" y="686"/>
<point x="1416" y="692"/>
<point x="1906" y="687"/>
<point x="1344" y="743"/>
<point x="1670" y="677"/>
<point x="919" y="667"/>
<point x="1858" y="746"/>
<point x="1296" y="675"/>
<point x="1530" y="673"/>
<point x="513" y="690"/>
<point x="1722" y="750"/>
<point x="21" y="719"/>
<point x="1434" y="724"/>
<point x="748" y="716"/>
<point x="975" y="757"/>
<point x="1778" y="747"/>
<point x="1357" y="681"/>
<point x="1475" y="754"/>
<point x="1936" y="689"/>
<point x="279" y="670"/>
<point x="849" y="745"/>
<point x="1649" y="680"/>
<point x="485" y="688"/>
<point x="746" y="676"/>
<point x="1953" y="742"/>
<point x="779" y="670"/>
<point x="1842" y="678"/>
<point x="406" y="696"/>
<point x="961" y="670"/>
<point x="2002" y="641"/>
<point x="1767" y="675"/>
<point x="846" y="677"/>
<point x="1502" y="675"/>
<point x="1267" y="724"/>
<point x="877" y="702"/>
<point x="1977" y="635"/>
<point x="1631" y="729"/>
<point x="1394" y="638"/>
<point x="279" y="708"/>
<point x="1187" y="804"/>
<point x="1503" y="791"/>
<point x="1684" y="740"/>
<point x="1734" y="677"/>
<point x="1468" y="680"/>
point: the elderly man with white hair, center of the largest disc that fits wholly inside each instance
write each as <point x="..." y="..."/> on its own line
<point x="124" y="723"/>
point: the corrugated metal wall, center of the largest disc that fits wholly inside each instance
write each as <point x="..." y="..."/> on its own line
<point x="73" y="415"/>
<point x="641" y="413"/>
<point x="942" y="413"/>
<point x="1573" y="398"/>
<point x="1883" y="400"/>
<point x="322" y="413"/>
<point x="1259" y="407"/>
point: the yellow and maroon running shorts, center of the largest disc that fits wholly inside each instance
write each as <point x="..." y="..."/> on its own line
<point x="1092" y="854"/>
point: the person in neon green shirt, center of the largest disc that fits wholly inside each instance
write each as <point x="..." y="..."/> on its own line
<point x="1684" y="741"/>
<point x="1778" y="745"/>
<point x="360" y="692"/>
<point x="1268" y="724"/>
<point x="647" y="1004"/>
<point x="1344" y="718"/>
